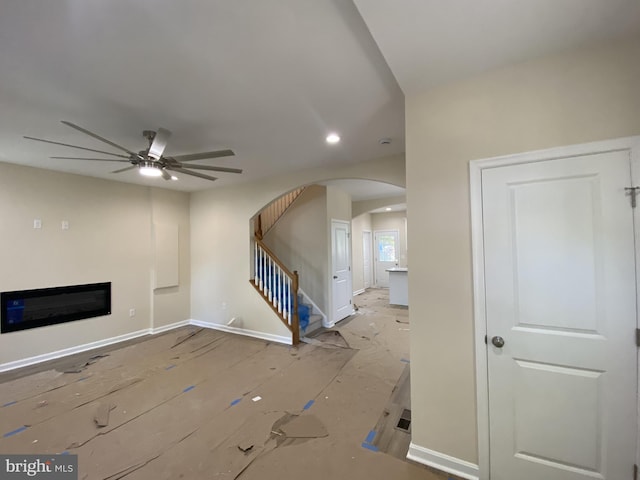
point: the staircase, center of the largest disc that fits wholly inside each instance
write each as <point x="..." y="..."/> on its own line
<point x="278" y="285"/>
<point x="311" y="317"/>
<point x="269" y="216"/>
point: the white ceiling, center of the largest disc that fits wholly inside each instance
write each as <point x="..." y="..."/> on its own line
<point x="431" y="42"/>
<point x="268" y="79"/>
<point x="361" y="190"/>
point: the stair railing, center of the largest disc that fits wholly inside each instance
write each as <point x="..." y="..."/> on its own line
<point x="270" y="215"/>
<point x="278" y="286"/>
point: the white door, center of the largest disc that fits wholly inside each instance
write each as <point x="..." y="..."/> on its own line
<point x="341" y="270"/>
<point x="560" y="291"/>
<point x="386" y="255"/>
<point x="366" y="260"/>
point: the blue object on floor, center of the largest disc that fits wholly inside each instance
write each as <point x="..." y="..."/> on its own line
<point x="367" y="442"/>
<point x="368" y="446"/>
<point x="14" y="432"/>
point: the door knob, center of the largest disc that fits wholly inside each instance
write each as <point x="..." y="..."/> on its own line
<point x="335" y="276"/>
<point x="497" y="341"/>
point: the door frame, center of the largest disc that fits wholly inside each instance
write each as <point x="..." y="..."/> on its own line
<point x="332" y="308"/>
<point x="371" y="261"/>
<point x="374" y="251"/>
<point x="631" y="144"/>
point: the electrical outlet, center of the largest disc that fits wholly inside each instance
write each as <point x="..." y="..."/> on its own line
<point x="132" y="312"/>
<point x="37" y="223"/>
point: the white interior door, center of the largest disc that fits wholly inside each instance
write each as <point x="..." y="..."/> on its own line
<point x="386" y="255"/>
<point x="366" y="260"/>
<point x="341" y="270"/>
<point x="561" y="292"/>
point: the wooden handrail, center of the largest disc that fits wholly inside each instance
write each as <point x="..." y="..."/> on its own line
<point x="273" y="212"/>
<point x="282" y="296"/>
<point x="278" y="286"/>
<point x="276" y="260"/>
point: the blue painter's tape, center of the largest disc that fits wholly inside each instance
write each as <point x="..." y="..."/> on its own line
<point x="66" y="452"/>
<point x="370" y="437"/>
<point x="308" y="405"/>
<point x="10" y="403"/>
<point x="236" y="401"/>
<point x="188" y="389"/>
<point x="368" y="446"/>
<point x="82" y="379"/>
<point x="14" y="432"/>
<point x="170" y="367"/>
<point x="405" y="360"/>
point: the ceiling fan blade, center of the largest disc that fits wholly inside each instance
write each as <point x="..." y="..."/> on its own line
<point x="75" y="146"/>
<point x="125" y="169"/>
<point x="98" y="137"/>
<point x="159" y="143"/>
<point x="214" y="169"/>
<point x="95" y="159"/>
<point x="203" y="155"/>
<point x="194" y="174"/>
<point x="165" y="174"/>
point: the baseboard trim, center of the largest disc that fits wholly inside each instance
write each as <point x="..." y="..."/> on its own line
<point x="443" y="462"/>
<point x="171" y="326"/>
<point x="242" y="331"/>
<point x="25" y="362"/>
<point x="358" y="292"/>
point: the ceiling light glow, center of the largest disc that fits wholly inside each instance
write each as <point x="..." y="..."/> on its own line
<point x="333" y="138"/>
<point x="173" y="177"/>
<point x="388" y="209"/>
<point x="149" y="169"/>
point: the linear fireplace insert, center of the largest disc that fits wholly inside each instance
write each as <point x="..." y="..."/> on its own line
<point x="25" y="309"/>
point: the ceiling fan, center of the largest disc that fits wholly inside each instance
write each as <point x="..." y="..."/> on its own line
<point x="150" y="162"/>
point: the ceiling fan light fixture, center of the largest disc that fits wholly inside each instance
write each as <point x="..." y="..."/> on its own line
<point x="333" y="138"/>
<point x="149" y="169"/>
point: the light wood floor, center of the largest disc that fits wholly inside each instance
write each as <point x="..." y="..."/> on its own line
<point x="202" y="404"/>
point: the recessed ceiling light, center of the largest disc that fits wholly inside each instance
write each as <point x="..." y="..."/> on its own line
<point x="333" y="138"/>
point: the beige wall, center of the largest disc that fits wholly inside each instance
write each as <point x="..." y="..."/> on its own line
<point x="566" y="99"/>
<point x="360" y="224"/>
<point x="173" y="304"/>
<point x="299" y="239"/>
<point x="221" y="241"/>
<point x="364" y="206"/>
<point x="109" y="239"/>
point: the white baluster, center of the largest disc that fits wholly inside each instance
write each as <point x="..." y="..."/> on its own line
<point x="270" y="276"/>
<point x="260" y="269"/>
<point x="275" y="284"/>
<point x="288" y="300"/>
<point x="278" y="303"/>
<point x="256" y="280"/>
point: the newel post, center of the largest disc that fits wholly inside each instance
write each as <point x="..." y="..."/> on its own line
<point x="295" y="321"/>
